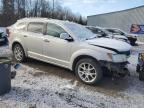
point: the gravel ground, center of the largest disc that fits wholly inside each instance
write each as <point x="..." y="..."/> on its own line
<point x="43" y="85"/>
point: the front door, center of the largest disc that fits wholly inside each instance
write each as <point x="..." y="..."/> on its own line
<point x="55" y="49"/>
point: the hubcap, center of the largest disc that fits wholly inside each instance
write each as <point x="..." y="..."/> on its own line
<point x="87" y="72"/>
<point x="18" y="53"/>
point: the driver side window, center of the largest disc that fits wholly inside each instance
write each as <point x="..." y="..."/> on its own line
<point x="54" y="30"/>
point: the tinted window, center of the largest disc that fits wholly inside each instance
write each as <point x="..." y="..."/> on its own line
<point x="96" y="30"/>
<point x="54" y="30"/>
<point x="21" y="26"/>
<point x="116" y="31"/>
<point x="36" y="27"/>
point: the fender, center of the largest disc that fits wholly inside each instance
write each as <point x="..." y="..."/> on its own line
<point x="17" y="40"/>
<point x="93" y="53"/>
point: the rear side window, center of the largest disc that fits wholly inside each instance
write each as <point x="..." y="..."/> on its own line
<point x="21" y="26"/>
<point x="54" y="30"/>
<point x="35" y="27"/>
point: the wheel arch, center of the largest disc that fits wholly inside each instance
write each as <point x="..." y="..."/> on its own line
<point x="94" y="54"/>
<point x="81" y="57"/>
<point x="17" y="42"/>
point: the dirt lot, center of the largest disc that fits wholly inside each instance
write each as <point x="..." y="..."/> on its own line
<point x="46" y="86"/>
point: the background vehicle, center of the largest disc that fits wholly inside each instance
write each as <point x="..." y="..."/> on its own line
<point x="104" y="33"/>
<point x="68" y="45"/>
<point x="3" y="37"/>
<point x="131" y="37"/>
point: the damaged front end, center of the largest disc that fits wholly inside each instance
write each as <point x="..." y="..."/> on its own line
<point x="115" y="69"/>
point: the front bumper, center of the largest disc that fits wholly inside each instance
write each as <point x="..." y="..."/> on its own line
<point x="116" y="69"/>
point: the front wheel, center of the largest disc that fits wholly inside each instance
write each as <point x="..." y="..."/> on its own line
<point x="18" y="52"/>
<point x="88" y="70"/>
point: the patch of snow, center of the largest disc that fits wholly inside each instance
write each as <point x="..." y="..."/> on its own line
<point x="71" y="86"/>
<point x="5" y="52"/>
<point x="140" y="43"/>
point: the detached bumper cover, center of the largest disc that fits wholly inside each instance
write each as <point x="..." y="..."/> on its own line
<point x="117" y="69"/>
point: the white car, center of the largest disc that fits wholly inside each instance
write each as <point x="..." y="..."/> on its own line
<point x="68" y="45"/>
<point x="102" y="32"/>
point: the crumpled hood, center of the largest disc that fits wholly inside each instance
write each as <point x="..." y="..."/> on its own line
<point x="110" y="43"/>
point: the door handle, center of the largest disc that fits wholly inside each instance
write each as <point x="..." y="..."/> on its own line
<point x="45" y="40"/>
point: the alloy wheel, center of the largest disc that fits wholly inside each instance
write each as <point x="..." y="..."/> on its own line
<point x="18" y="53"/>
<point x="87" y="72"/>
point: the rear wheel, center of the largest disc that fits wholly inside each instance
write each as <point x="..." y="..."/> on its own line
<point x="18" y="52"/>
<point x="88" y="71"/>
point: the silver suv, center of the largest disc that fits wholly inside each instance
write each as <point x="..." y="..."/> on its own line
<point x="68" y="45"/>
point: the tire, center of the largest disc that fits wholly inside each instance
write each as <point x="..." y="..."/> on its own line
<point x="91" y="75"/>
<point x="18" y="53"/>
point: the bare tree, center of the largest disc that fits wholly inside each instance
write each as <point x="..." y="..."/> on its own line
<point x="20" y="8"/>
<point x="16" y="9"/>
<point x="8" y="12"/>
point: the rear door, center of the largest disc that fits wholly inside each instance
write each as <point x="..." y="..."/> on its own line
<point x="34" y="39"/>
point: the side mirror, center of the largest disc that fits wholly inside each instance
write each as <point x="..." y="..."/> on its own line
<point x="66" y="36"/>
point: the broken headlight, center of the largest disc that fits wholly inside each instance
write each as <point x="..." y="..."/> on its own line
<point x="118" y="57"/>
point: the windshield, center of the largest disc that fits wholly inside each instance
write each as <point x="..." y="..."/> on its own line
<point x="80" y="32"/>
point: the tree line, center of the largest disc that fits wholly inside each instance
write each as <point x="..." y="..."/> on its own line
<point x="12" y="10"/>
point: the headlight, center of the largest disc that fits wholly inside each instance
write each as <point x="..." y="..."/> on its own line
<point x="118" y="57"/>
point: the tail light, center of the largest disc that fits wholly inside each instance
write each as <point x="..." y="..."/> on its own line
<point x="8" y="32"/>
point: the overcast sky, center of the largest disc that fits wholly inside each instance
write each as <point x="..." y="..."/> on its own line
<point x="93" y="7"/>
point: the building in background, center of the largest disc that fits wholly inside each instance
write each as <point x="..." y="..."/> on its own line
<point x="120" y="19"/>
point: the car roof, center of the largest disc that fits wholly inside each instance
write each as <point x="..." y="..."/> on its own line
<point x="37" y="19"/>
